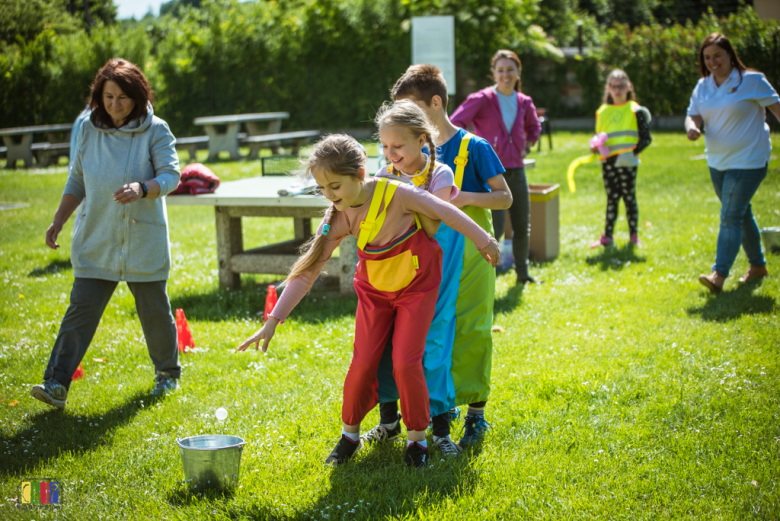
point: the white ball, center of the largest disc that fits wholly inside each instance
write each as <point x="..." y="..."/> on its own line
<point x="221" y="413"/>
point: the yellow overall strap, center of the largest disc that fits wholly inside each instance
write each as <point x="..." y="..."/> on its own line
<point x="418" y="180"/>
<point x="369" y="228"/>
<point x="462" y="158"/>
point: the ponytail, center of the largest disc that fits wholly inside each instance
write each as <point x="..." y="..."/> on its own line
<point x="337" y="154"/>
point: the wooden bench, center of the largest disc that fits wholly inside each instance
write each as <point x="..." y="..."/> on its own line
<point x="228" y="139"/>
<point x="195" y="143"/>
<point x="274" y="141"/>
<point x="46" y="153"/>
<point x="19" y="145"/>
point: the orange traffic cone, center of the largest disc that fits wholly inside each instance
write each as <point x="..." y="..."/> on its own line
<point x="78" y="373"/>
<point x="183" y="332"/>
<point x="270" y="301"/>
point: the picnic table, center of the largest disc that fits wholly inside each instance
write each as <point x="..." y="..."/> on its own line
<point x="229" y="139"/>
<point x="258" y="197"/>
<point x="19" y="145"/>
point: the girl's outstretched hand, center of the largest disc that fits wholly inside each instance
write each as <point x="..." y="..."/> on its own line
<point x="266" y="333"/>
<point x="490" y="252"/>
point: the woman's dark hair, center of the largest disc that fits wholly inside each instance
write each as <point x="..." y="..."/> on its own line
<point x="509" y="55"/>
<point x="132" y="82"/>
<point x="724" y="43"/>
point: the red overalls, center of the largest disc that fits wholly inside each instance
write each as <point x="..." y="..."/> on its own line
<point x="397" y="286"/>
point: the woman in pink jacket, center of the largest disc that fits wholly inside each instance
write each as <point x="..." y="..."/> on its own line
<point x="507" y="119"/>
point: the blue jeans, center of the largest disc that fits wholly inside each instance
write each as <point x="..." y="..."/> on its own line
<point x="735" y="189"/>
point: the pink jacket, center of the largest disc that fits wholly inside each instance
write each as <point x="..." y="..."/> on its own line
<point x="483" y="111"/>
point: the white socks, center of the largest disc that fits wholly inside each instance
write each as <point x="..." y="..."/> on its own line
<point x="423" y="443"/>
<point x="391" y="426"/>
<point x="354" y="436"/>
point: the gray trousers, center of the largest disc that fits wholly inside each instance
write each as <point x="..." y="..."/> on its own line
<point x="520" y="215"/>
<point x="88" y="300"/>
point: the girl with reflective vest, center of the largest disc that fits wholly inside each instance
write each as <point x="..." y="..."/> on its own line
<point x="397" y="283"/>
<point x="626" y="125"/>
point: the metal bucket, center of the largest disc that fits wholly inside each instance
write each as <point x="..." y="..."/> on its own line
<point x="771" y="239"/>
<point x="211" y="461"/>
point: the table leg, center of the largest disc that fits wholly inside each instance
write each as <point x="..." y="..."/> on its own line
<point x="229" y="242"/>
<point x="302" y="228"/>
<point x="348" y="260"/>
<point x="274" y="127"/>
<point x="254" y="148"/>
<point x="21" y="150"/>
<point x="219" y="141"/>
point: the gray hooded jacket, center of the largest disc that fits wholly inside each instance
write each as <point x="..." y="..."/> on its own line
<point x="112" y="241"/>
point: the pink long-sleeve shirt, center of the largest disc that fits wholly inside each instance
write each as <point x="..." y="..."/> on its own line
<point x="482" y="110"/>
<point x="400" y="217"/>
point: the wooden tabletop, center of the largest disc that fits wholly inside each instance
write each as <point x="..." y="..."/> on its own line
<point x="59" y="127"/>
<point x="240" y="118"/>
<point x="255" y="191"/>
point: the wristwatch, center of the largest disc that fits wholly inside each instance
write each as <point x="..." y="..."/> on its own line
<point x="145" y="189"/>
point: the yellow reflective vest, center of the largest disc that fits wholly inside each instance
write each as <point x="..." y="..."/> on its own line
<point x="619" y="123"/>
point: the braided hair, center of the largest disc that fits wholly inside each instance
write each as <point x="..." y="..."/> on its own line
<point x="405" y="113"/>
<point x="338" y="154"/>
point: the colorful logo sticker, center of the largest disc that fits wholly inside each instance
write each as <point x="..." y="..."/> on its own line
<point x="40" y="493"/>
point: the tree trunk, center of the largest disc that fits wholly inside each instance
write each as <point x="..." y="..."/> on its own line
<point x="87" y="16"/>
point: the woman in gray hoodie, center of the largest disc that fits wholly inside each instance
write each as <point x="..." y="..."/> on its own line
<point x="124" y="164"/>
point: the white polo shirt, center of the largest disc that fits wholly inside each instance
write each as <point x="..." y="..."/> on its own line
<point x="736" y="135"/>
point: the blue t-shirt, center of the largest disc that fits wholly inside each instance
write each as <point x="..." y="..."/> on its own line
<point x="482" y="165"/>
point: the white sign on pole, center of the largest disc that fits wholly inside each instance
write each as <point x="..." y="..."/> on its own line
<point x="433" y="42"/>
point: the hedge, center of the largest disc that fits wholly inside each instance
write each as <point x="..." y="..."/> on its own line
<point x="331" y="63"/>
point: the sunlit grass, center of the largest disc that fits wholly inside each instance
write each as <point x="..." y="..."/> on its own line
<point x="621" y="389"/>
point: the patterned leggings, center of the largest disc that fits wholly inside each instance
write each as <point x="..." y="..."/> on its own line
<point x="620" y="182"/>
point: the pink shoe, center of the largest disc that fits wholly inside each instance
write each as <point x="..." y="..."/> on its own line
<point x="604" y="241"/>
<point x="635" y="240"/>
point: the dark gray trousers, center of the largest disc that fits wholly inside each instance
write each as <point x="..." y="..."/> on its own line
<point x="88" y="300"/>
<point x="520" y="215"/>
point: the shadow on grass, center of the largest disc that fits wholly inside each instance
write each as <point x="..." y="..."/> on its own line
<point x="323" y="303"/>
<point x="55" y="431"/>
<point x="614" y="258"/>
<point x="378" y="485"/>
<point x="734" y="303"/>
<point x="53" y="267"/>
<point x="183" y="495"/>
<point x="507" y="303"/>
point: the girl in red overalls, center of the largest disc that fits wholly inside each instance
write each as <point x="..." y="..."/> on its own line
<point x="397" y="283"/>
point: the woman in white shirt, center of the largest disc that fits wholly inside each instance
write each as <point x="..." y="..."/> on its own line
<point x="730" y="102"/>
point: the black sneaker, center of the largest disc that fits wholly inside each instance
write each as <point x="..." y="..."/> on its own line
<point x="416" y="455"/>
<point x="51" y="392"/>
<point x="343" y="451"/>
<point x="381" y="434"/>
<point x="447" y="447"/>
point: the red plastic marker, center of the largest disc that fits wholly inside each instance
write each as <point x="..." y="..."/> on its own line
<point x="270" y="301"/>
<point x="183" y="332"/>
<point x="79" y="373"/>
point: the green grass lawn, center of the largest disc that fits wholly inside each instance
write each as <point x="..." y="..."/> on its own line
<point x="621" y="389"/>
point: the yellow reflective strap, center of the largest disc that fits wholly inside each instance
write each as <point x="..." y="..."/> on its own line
<point x="462" y="159"/>
<point x="417" y="221"/>
<point x="416" y="262"/>
<point x="369" y="224"/>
